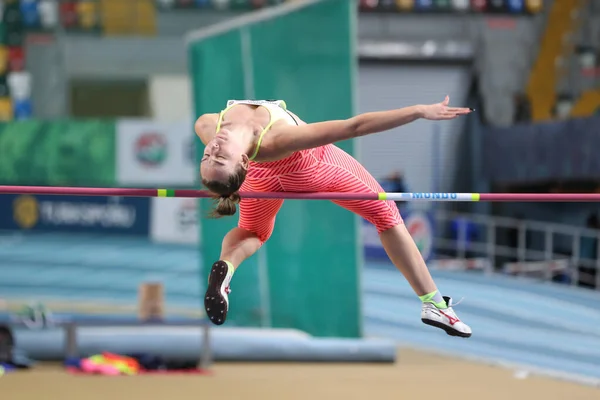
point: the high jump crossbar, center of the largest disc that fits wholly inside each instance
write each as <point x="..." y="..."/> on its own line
<point x="409" y="196"/>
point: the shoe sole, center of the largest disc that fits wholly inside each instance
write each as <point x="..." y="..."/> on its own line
<point x="215" y="303"/>
<point x="449" y="330"/>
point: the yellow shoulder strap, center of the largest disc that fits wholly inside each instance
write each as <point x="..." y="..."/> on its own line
<point x="221" y="115"/>
<point x="220" y="120"/>
<point x="260" y="138"/>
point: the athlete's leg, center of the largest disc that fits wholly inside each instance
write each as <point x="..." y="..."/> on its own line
<point x="351" y="176"/>
<point x="238" y="245"/>
<point x="256" y="223"/>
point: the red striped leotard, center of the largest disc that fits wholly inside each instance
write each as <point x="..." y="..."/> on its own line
<point x="322" y="169"/>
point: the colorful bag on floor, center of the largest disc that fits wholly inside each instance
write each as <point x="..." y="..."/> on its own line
<point x="110" y="364"/>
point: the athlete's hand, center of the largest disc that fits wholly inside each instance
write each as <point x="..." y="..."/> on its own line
<point x="441" y="111"/>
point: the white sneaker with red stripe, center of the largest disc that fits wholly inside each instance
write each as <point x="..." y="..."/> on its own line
<point x="445" y="318"/>
<point x="216" y="299"/>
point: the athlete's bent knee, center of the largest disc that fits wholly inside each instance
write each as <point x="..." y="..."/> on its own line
<point x="261" y="234"/>
<point x="382" y="227"/>
<point x="386" y="218"/>
<point x="263" y="238"/>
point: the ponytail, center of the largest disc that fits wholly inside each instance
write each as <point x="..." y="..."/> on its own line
<point x="226" y="205"/>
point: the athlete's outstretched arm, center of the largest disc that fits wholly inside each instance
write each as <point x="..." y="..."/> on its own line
<point x="294" y="138"/>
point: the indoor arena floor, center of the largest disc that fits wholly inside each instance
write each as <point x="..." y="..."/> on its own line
<point x="416" y="375"/>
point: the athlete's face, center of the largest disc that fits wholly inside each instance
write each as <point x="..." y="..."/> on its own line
<point x="222" y="157"/>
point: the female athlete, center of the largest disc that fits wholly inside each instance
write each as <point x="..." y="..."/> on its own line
<point x="260" y="146"/>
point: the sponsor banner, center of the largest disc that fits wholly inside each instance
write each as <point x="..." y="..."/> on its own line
<point x="175" y="220"/>
<point x="419" y="225"/>
<point x="151" y="153"/>
<point x="89" y="214"/>
<point x="58" y="153"/>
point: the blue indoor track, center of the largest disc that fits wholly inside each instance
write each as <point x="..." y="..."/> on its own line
<point x="544" y="325"/>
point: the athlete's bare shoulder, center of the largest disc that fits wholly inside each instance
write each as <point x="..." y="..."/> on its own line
<point x="206" y="126"/>
<point x="298" y="120"/>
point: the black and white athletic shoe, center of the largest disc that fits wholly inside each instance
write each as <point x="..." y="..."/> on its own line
<point x="216" y="301"/>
